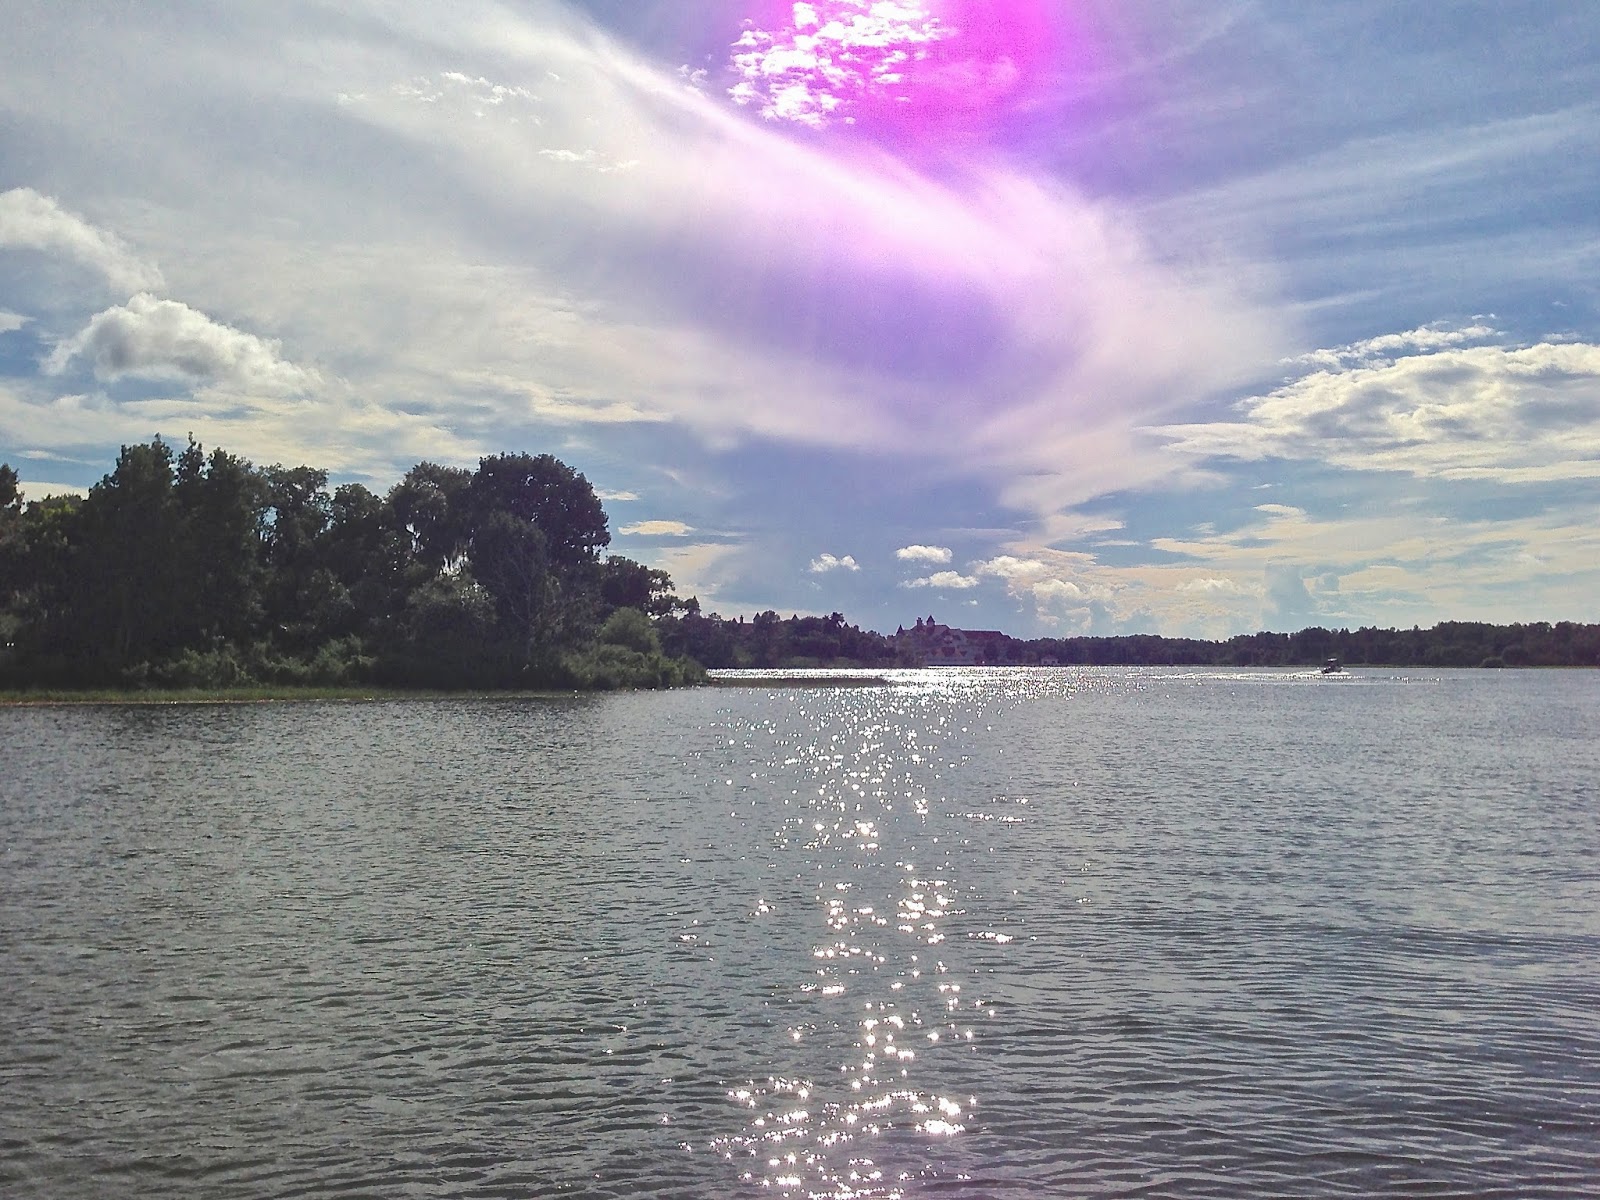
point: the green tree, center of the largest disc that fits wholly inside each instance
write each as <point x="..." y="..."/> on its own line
<point x="542" y="491"/>
<point x="628" y="584"/>
<point x="125" y="603"/>
<point x="430" y="505"/>
<point x="536" y="617"/>
<point x="223" y="501"/>
<point x="299" y="510"/>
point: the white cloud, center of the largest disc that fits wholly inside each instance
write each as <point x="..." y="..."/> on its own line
<point x="619" y="496"/>
<point x="34" y="221"/>
<point x="1427" y="338"/>
<point x="1212" y="586"/>
<point x="147" y="338"/>
<point x="828" y="562"/>
<point x="736" y="282"/>
<point x="928" y="554"/>
<point x="1511" y="414"/>
<point x="348" y="435"/>
<point x="701" y="569"/>
<point x="657" y="529"/>
<point x="1053" y="581"/>
<point x="10" y="321"/>
<point x="1058" y="589"/>
<point x="34" y="489"/>
<point x="949" y="580"/>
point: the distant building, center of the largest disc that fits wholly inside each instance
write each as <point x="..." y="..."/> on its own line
<point x="937" y="645"/>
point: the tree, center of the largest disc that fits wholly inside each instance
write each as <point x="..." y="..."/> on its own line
<point x="511" y="559"/>
<point x="430" y="506"/>
<point x="124" y="602"/>
<point x="628" y="584"/>
<point x="223" y="501"/>
<point x="299" y="510"/>
<point x="547" y="493"/>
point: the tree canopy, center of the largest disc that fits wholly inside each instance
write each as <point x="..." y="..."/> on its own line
<point x="201" y="569"/>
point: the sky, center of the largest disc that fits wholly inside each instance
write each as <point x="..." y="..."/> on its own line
<point x="1191" y="317"/>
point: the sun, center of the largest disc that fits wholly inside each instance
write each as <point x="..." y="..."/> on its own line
<point x="900" y="66"/>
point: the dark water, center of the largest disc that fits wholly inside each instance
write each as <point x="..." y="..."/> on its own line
<point x="977" y="934"/>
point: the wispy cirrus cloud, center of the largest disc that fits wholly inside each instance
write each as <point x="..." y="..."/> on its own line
<point x="733" y="283"/>
<point x="657" y="529"/>
<point x="1388" y="346"/>
<point x="31" y="220"/>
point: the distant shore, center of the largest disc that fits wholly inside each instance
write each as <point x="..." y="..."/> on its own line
<point x="795" y="677"/>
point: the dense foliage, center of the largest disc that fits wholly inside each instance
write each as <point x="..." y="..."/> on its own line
<point x="197" y="570"/>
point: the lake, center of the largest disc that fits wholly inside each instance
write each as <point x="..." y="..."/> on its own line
<point x="974" y="933"/>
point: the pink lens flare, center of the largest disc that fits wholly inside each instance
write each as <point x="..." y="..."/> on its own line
<point x="898" y="67"/>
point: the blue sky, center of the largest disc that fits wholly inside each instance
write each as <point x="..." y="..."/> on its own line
<point x="1055" y="317"/>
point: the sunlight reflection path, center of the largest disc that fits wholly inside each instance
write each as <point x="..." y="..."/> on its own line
<point x="862" y="808"/>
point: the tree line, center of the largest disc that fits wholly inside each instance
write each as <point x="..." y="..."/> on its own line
<point x="183" y="568"/>
<point x="771" y="641"/>
<point x="1447" y="644"/>
<point x="193" y="569"/>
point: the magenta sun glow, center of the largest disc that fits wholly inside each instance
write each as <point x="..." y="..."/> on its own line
<point x="895" y="65"/>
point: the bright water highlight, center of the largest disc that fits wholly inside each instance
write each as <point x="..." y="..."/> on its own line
<point x="987" y="933"/>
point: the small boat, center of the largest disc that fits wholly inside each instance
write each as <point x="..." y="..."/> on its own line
<point x="1332" y="667"/>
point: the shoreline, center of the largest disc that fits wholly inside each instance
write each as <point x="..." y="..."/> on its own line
<point x="261" y="695"/>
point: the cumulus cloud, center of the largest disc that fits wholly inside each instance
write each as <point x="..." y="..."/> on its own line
<point x="658" y="529"/>
<point x="149" y="338"/>
<point x="34" y="221"/>
<point x="950" y="580"/>
<point x="928" y="554"/>
<point x="10" y="321"/>
<point x="1507" y="413"/>
<point x="1051" y="580"/>
<point x="829" y="562"/>
<point x="1209" y="585"/>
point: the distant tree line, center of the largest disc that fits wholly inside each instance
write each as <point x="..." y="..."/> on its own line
<point x="772" y="641"/>
<point x="769" y="640"/>
<point x="190" y="569"/>
<point x="1448" y="644"/>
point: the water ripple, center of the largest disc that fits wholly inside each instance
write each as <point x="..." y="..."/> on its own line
<point x="975" y="933"/>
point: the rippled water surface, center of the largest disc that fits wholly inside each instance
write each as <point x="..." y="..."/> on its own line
<point x="973" y="933"/>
